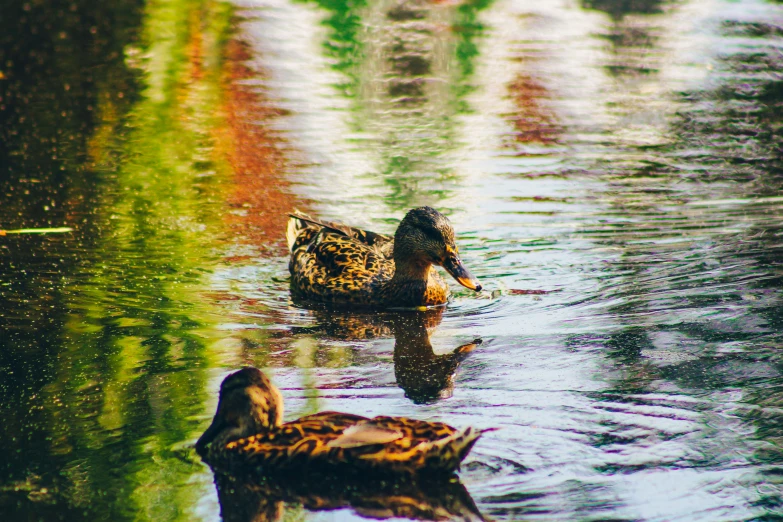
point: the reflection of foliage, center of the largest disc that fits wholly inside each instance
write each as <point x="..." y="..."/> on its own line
<point x="345" y="39"/>
<point x="108" y="401"/>
<point x="704" y="317"/>
<point x="344" y="43"/>
<point x="468" y="29"/>
<point x="409" y="74"/>
<point x="55" y="68"/>
<point x="619" y="8"/>
<point x="533" y="120"/>
<point x="57" y="59"/>
<point x="631" y="39"/>
<point x="741" y="119"/>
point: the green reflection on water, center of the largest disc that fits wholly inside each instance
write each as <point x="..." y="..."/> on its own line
<point x="344" y="45"/>
<point x="110" y="328"/>
<point x="407" y="66"/>
<point x="114" y="392"/>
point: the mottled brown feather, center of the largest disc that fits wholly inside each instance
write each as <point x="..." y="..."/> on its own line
<point x="305" y="443"/>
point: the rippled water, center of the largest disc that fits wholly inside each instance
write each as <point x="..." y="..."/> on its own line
<point x="612" y="169"/>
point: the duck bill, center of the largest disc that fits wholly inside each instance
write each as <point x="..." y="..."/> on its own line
<point x="454" y="266"/>
<point x="208" y="436"/>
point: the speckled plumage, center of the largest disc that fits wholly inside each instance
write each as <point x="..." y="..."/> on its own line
<point x="247" y="433"/>
<point x="335" y="263"/>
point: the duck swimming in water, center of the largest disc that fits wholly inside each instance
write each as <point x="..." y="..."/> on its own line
<point x="248" y="433"/>
<point x="335" y="263"/>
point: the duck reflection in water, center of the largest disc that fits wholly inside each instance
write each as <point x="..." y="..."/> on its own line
<point x="261" y="499"/>
<point x="424" y="375"/>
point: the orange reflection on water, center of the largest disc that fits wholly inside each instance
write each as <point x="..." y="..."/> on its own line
<point x="260" y="194"/>
<point x="533" y="121"/>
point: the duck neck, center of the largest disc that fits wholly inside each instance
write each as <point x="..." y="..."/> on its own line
<point x="408" y="270"/>
<point x="408" y="286"/>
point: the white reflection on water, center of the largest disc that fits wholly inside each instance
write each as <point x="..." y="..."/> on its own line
<point x="611" y="389"/>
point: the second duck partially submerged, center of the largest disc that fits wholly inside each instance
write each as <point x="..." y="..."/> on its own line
<point x="334" y="263"/>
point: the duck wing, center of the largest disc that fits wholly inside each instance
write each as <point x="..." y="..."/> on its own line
<point x="416" y="431"/>
<point x="433" y="446"/>
<point x="365" y="434"/>
<point x="330" y="265"/>
<point x="295" y="443"/>
<point x="300" y="221"/>
<point x="341" y="441"/>
<point x="325" y="423"/>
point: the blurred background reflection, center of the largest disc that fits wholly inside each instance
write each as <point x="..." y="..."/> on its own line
<point x="612" y="169"/>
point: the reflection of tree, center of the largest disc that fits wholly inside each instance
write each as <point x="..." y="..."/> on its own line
<point x="407" y="64"/>
<point x="58" y="76"/>
<point x="631" y="38"/>
<point x="94" y="394"/>
<point x="534" y="123"/>
<point x="698" y="285"/>
<point x="411" y="90"/>
<point x="743" y="122"/>
<point x="744" y="133"/>
<point x="60" y="63"/>
<point x="617" y="9"/>
<point x="266" y="499"/>
<point x="256" y="156"/>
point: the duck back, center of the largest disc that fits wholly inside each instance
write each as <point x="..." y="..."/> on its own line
<point x="345" y="443"/>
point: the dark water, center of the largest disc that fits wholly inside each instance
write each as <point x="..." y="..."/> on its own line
<point x="613" y="170"/>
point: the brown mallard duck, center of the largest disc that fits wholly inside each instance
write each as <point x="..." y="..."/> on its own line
<point x="335" y="263"/>
<point x="248" y="433"/>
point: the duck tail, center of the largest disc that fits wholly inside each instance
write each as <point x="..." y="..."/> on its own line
<point x="447" y="453"/>
<point x="296" y="222"/>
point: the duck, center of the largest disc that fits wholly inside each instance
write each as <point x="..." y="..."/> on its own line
<point x="247" y="433"/>
<point x="338" y="264"/>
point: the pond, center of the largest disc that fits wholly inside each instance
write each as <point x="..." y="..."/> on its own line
<point x="613" y="171"/>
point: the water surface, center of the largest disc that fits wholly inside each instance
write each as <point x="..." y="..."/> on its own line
<point x="613" y="172"/>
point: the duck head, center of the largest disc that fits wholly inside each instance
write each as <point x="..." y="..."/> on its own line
<point x="249" y="403"/>
<point x="425" y="237"/>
